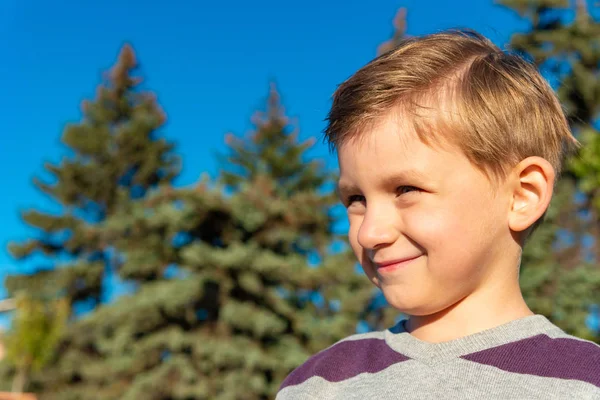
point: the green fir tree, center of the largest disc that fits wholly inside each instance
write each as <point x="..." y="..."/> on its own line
<point x="244" y="288"/>
<point x="114" y="154"/>
<point x="117" y="154"/>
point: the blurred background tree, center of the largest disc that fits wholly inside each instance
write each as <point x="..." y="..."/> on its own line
<point x="116" y="154"/>
<point x="36" y="330"/>
<point x="239" y="281"/>
<point x="560" y="268"/>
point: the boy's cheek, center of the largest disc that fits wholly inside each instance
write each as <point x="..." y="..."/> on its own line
<point x="446" y="221"/>
<point x="446" y="238"/>
<point x="353" y="237"/>
<point x="430" y="227"/>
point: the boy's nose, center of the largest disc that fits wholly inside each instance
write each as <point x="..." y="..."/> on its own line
<point x="377" y="230"/>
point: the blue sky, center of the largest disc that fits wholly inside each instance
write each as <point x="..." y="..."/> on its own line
<point x="208" y="62"/>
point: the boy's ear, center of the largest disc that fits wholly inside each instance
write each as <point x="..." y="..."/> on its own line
<point x="532" y="187"/>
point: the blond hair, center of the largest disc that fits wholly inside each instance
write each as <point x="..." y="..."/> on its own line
<point x="496" y="107"/>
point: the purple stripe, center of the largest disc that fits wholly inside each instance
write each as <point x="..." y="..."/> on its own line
<point x="543" y="356"/>
<point x="346" y="360"/>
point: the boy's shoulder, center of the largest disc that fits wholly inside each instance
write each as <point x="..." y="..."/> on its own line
<point x="347" y="358"/>
<point x="551" y="354"/>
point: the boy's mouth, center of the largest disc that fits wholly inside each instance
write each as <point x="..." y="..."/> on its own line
<point x="393" y="265"/>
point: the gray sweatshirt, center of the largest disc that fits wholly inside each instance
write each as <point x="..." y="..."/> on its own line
<point x="529" y="358"/>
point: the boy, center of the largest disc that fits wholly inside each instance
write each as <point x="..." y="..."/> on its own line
<point x="448" y="150"/>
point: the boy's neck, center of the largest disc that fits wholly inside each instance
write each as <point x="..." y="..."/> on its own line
<point x="475" y="313"/>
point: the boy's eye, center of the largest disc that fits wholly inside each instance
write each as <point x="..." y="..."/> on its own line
<point x="355" y="198"/>
<point x="406" y="189"/>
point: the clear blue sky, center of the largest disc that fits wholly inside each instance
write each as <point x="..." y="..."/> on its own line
<point x="208" y="62"/>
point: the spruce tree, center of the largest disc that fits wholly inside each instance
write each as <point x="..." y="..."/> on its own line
<point x="560" y="275"/>
<point x="247" y="285"/>
<point x="114" y="154"/>
<point x="272" y="150"/>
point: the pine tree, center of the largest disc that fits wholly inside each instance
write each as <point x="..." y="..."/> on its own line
<point x="560" y="274"/>
<point x="238" y="302"/>
<point x="116" y="154"/>
<point x="272" y="153"/>
<point x="272" y="150"/>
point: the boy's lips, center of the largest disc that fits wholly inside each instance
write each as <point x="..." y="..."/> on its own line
<point x="392" y="265"/>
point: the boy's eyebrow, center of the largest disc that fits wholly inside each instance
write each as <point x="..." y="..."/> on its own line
<point x="344" y="187"/>
<point x="407" y="175"/>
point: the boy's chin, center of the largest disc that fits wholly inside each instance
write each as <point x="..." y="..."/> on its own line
<point x="413" y="304"/>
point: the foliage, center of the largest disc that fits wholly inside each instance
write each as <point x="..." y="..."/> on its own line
<point x="36" y="329"/>
<point x="116" y="154"/>
<point x="238" y="283"/>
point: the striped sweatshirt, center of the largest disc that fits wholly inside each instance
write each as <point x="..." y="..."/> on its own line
<point x="528" y="358"/>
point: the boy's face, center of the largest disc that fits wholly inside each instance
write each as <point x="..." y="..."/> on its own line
<point x="427" y="226"/>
